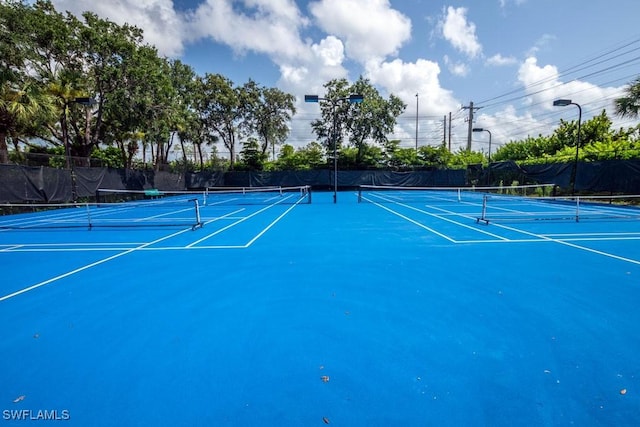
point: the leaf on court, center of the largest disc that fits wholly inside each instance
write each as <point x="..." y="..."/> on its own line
<point x="325" y="378"/>
<point x="325" y="420"/>
<point x="36" y="335"/>
<point x="19" y="399"/>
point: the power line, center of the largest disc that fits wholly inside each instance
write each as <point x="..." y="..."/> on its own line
<point x="578" y="67"/>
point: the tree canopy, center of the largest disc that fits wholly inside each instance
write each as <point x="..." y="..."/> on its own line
<point x="82" y="88"/>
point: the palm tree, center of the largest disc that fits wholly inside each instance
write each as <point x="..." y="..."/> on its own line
<point x="629" y="105"/>
<point x="64" y="94"/>
<point x="20" y="108"/>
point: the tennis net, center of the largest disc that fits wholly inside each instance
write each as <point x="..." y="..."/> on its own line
<point x="258" y="195"/>
<point x="441" y="195"/>
<point x="145" y="213"/>
<point x="212" y="196"/>
<point x="145" y="208"/>
<point x="501" y="208"/>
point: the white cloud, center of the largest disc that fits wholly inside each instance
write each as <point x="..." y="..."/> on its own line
<point x="331" y="50"/>
<point x="269" y="27"/>
<point x="498" y="60"/>
<point x="456" y="68"/>
<point x="309" y="72"/>
<point x="405" y="79"/>
<point x="541" y="44"/>
<point x="543" y="85"/>
<point x="371" y="29"/>
<point x="503" y="3"/>
<point x="459" y="32"/>
<point x="163" y="27"/>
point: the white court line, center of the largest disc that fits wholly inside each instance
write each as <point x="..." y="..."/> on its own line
<point x="118" y="249"/>
<point x="537" y="237"/>
<point x="566" y="243"/>
<point x="93" y="264"/>
<point x="624" y="235"/>
<point x="10" y="248"/>
<point x="411" y="221"/>
<point x="164" y="214"/>
<point x="272" y="224"/>
<point x="442" y="218"/>
<point x="82" y="247"/>
<point x="26" y="245"/>
<point x="456" y="222"/>
<point x="233" y="224"/>
<point x="488" y="241"/>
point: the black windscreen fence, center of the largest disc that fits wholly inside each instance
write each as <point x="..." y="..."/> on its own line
<point x="43" y="184"/>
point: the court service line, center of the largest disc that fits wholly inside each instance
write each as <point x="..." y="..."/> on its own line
<point x="85" y="244"/>
<point x="442" y="218"/>
<point x="233" y="224"/>
<point x="566" y="243"/>
<point x="118" y="249"/>
<point x="272" y="224"/>
<point x="7" y="249"/>
<point x="607" y="234"/>
<point x="588" y="238"/>
<point x="93" y="264"/>
<point x="437" y="233"/>
<point x="163" y="214"/>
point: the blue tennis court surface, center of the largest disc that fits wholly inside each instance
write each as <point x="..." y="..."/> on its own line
<point x="388" y="312"/>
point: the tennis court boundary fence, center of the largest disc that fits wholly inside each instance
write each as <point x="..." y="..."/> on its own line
<point x="24" y="184"/>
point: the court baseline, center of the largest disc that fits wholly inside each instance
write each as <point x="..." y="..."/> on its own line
<point x="536" y="237"/>
<point x="149" y="244"/>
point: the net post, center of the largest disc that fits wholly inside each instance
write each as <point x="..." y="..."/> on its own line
<point x="483" y="216"/>
<point x="280" y="189"/>
<point x="88" y="215"/>
<point x="309" y="193"/>
<point x="198" y="223"/>
<point x="205" y="194"/>
<point x="459" y="194"/>
<point x="577" y="208"/>
<point x="359" y="194"/>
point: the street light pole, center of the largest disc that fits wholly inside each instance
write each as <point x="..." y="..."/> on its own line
<point x="564" y="103"/>
<point x="416" y="122"/>
<point x="489" y="156"/>
<point x="352" y="99"/>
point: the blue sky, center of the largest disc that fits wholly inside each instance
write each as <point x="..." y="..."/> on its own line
<point x="510" y="57"/>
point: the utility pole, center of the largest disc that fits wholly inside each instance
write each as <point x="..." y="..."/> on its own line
<point x="416" y="122"/>
<point x="471" y="109"/>
<point x="449" y="131"/>
<point x="444" y="128"/>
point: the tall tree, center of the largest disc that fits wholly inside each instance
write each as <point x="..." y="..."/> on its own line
<point x="24" y="111"/>
<point x="32" y="41"/>
<point x="629" y="105"/>
<point x="372" y="119"/>
<point x="222" y="110"/>
<point x="123" y="74"/>
<point x="270" y="115"/>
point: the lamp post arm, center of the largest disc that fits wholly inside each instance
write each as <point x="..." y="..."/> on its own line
<point x="579" y="121"/>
